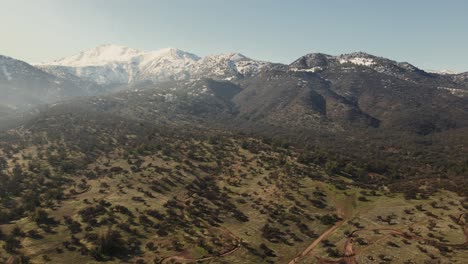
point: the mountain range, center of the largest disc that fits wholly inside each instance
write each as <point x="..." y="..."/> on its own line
<point x="112" y="64"/>
<point x="317" y="91"/>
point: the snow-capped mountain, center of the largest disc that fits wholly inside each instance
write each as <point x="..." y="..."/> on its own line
<point x="316" y="90"/>
<point x="227" y="66"/>
<point x="110" y="68"/>
<point x="113" y="64"/>
<point x="118" y="65"/>
<point x="100" y="55"/>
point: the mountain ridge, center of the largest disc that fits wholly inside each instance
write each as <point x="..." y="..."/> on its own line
<point x="316" y="91"/>
<point x="110" y="64"/>
<point x="115" y="64"/>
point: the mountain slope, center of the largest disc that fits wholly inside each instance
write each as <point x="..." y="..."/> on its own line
<point x="461" y="78"/>
<point x="317" y="91"/>
<point x="336" y="99"/>
<point x="24" y="85"/>
<point x="73" y="180"/>
<point x="400" y="95"/>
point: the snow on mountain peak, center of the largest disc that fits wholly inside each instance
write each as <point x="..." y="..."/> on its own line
<point x="226" y="56"/>
<point x="443" y="72"/>
<point x="111" y="54"/>
<point x="100" y="55"/>
<point x="228" y="65"/>
<point x="358" y="58"/>
<point x="109" y="63"/>
<point x="358" y="61"/>
<point x="170" y="53"/>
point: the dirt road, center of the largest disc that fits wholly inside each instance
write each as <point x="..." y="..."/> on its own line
<point x="316" y="242"/>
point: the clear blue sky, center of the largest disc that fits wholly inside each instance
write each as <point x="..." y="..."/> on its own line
<point x="430" y="34"/>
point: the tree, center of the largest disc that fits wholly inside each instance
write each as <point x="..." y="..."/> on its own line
<point x="40" y="216"/>
<point x="110" y="243"/>
<point x="331" y="167"/>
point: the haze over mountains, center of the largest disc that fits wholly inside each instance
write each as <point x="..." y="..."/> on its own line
<point x="22" y="84"/>
<point x="113" y="64"/>
<point x="317" y="91"/>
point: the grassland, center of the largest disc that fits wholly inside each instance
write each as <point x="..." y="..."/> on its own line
<point x="232" y="199"/>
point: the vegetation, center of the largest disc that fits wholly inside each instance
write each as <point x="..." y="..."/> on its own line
<point x="81" y="187"/>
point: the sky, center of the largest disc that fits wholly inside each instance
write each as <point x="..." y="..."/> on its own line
<point x="427" y="33"/>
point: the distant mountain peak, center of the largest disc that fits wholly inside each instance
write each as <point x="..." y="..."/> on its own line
<point x="311" y="61"/>
<point x="321" y="60"/>
<point x="111" y="53"/>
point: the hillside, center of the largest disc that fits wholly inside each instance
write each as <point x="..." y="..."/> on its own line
<point x="119" y="190"/>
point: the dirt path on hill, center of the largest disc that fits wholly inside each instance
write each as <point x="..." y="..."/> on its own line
<point x="316" y="242"/>
<point x="341" y="213"/>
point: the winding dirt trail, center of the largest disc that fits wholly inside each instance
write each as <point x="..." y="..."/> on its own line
<point x="341" y="213"/>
